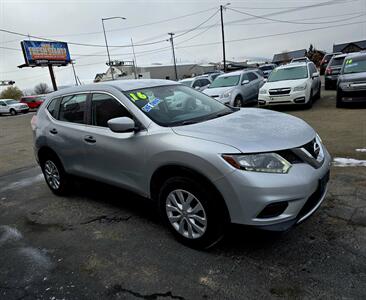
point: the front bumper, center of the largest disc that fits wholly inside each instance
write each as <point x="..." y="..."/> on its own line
<point x="22" y="109"/>
<point x="352" y="95"/>
<point x="247" y="194"/>
<point x="296" y="98"/>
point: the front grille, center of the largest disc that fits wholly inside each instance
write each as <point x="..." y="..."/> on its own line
<point x="282" y="91"/>
<point x="310" y="148"/>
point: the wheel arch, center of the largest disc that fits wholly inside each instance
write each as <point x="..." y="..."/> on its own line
<point x="45" y="151"/>
<point x="165" y="172"/>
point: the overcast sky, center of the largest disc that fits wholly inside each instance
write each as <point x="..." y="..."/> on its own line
<point x="247" y="35"/>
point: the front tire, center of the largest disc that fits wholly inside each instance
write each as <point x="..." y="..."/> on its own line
<point x="13" y="112"/>
<point x="56" y="177"/>
<point x="193" y="212"/>
<point x="309" y="104"/>
<point x="238" y="102"/>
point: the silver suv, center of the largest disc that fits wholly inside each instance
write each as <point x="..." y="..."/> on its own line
<point x="204" y="163"/>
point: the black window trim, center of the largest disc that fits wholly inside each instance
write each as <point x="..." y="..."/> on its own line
<point x="89" y="107"/>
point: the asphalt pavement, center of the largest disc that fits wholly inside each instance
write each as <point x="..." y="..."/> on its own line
<point x="107" y="243"/>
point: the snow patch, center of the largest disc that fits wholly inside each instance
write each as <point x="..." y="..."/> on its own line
<point x="348" y="162"/>
<point x="8" y="233"/>
<point x="23" y="183"/>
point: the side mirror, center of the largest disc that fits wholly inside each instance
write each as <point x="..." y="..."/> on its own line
<point x="245" y="81"/>
<point x="197" y="87"/>
<point x="315" y="74"/>
<point x="122" y="124"/>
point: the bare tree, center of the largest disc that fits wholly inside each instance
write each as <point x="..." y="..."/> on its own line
<point x="41" y="88"/>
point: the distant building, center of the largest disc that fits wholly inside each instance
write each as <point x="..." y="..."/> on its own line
<point x="350" y="47"/>
<point x="286" y="57"/>
<point x="156" y="71"/>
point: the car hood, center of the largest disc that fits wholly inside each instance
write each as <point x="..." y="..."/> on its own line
<point x="252" y="130"/>
<point x="217" y="91"/>
<point x="356" y="77"/>
<point x="283" y="84"/>
<point x="18" y="105"/>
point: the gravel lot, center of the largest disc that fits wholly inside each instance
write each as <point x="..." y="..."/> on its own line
<point x="104" y="242"/>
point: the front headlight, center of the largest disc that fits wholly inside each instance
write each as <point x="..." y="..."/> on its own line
<point x="226" y="95"/>
<point x="300" y="88"/>
<point x="262" y="162"/>
<point x="344" y="85"/>
<point x="262" y="91"/>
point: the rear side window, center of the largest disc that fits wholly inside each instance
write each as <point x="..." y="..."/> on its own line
<point x="73" y="108"/>
<point x="252" y="76"/>
<point x="337" y="61"/>
<point x="104" y="108"/>
<point x="53" y="107"/>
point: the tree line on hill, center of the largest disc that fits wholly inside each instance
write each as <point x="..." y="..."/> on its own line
<point x="13" y="92"/>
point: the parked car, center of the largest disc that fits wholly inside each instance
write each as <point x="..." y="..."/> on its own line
<point x="332" y="71"/>
<point x="267" y="69"/>
<point x="198" y="83"/>
<point x="212" y="75"/>
<point x="11" y="106"/>
<point x="205" y="164"/>
<point x="33" y="101"/>
<point x="351" y="85"/>
<point x="325" y="61"/>
<point x="295" y="83"/>
<point x="237" y="88"/>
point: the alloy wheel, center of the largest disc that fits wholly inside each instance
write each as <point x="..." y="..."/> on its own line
<point x="186" y="214"/>
<point x="52" y="174"/>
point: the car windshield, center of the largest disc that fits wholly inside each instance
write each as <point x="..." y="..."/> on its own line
<point x="175" y="105"/>
<point x="336" y="61"/>
<point x="9" y="102"/>
<point x="266" y="68"/>
<point x="225" y="81"/>
<point x="290" y="73"/>
<point x="355" y="65"/>
<point x="186" y="82"/>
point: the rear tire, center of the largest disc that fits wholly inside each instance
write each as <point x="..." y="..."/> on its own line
<point x="56" y="178"/>
<point x="193" y="212"/>
<point x="13" y="112"/>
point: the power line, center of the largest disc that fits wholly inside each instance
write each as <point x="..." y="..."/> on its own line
<point x="293" y="22"/>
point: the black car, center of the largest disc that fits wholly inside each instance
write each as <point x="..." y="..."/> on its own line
<point x="267" y="69"/>
<point x="332" y="71"/>
<point x="351" y="86"/>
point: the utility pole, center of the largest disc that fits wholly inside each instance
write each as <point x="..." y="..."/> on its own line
<point x="53" y="79"/>
<point x="175" y="63"/>
<point x="106" y="43"/>
<point x="222" y="7"/>
<point x="73" y="69"/>
<point x="134" y="57"/>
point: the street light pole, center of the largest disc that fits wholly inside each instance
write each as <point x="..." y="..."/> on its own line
<point x="106" y="43"/>
<point x="175" y="63"/>
<point x="222" y="7"/>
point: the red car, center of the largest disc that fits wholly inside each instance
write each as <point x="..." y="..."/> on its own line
<point x="33" y="101"/>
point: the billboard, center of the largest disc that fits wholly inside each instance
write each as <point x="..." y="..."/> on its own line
<point x="38" y="53"/>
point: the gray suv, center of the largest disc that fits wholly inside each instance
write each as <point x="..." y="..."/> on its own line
<point x="237" y="88"/>
<point x="204" y="163"/>
<point x="351" y="85"/>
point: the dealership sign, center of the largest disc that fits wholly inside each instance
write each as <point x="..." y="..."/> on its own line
<point x="41" y="53"/>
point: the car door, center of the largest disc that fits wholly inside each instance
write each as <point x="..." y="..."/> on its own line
<point x="3" y="107"/>
<point x="315" y="84"/>
<point x="245" y="89"/>
<point x="66" y="129"/>
<point x="254" y="84"/>
<point x="115" y="158"/>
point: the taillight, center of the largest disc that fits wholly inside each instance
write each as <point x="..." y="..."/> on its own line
<point x="34" y="122"/>
<point x="328" y="71"/>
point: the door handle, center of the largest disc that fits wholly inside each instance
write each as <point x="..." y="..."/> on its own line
<point x="89" y="139"/>
<point x="53" y="131"/>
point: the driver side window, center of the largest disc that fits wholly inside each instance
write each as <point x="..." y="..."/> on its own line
<point x="105" y="108"/>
